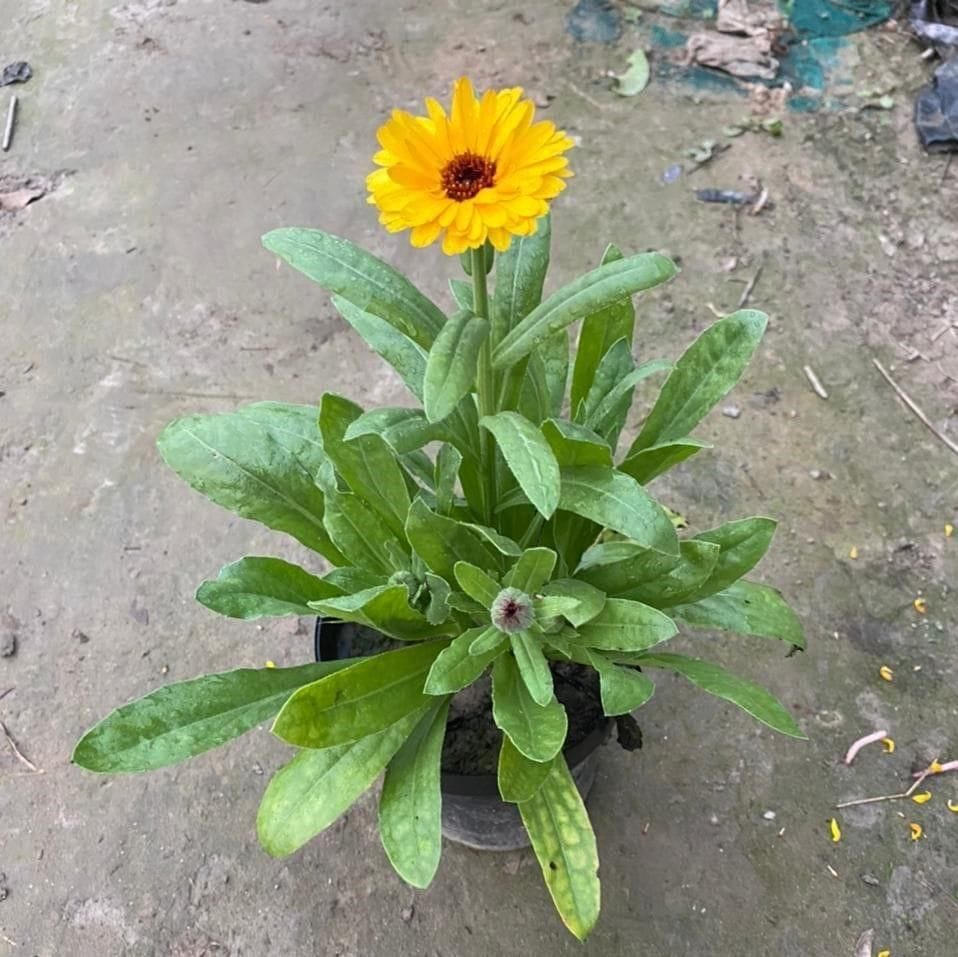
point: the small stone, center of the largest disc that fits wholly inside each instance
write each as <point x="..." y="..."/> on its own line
<point x="769" y="815"/>
<point x="731" y="411"/>
<point x="713" y="819"/>
<point x="407" y="913"/>
<point x="79" y="636"/>
<point x="511" y="866"/>
<point x="257" y="769"/>
<point x="870" y="880"/>
<point x="820" y="475"/>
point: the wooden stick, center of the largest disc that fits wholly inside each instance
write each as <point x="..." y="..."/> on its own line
<point x="19" y="754"/>
<point x="8" y="130"/>
<point x="925" y="421"/>
<point x="815" y="382"/>
<point x="890" y="797"/>
<point x="747" y="291"/>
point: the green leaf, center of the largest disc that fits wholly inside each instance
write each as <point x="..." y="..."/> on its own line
<point x="594" y="291"/>
<point x="618" y="502"/>
<point x="704" y="375"/>
<point x="613" y="368"/>
<point x="448" y="462"/>
<point x="741" y="544"/>
<point x="533" y="666"/>
<point x="254" y="471"/>
<point x="589" y="601"/>
<point x="538" y="731"/>
<point x="574" y="444"/>
<point x="310" y="793"/>
<point x="383" y="607"/>
<point x="381" y="690"/>
<point x="257" y="587"/>
<point x="456" y="667"/>
<point x="461" y="293"/>
<point x="647" y="464"/>
<point x="529" y="458"/>
<point x="489" y="640"/>
<point x="438" y="609"/>
<point x="532" y="570"/>
<point x="554" y="356"/>
<point x="747" y="608"/>
<point x="647" y="575"/>
<point x="624" y="625"/>
<point x="366" y="543"/>
<point x="409" y="807"/>
<point x="751" y="698"/>
<point x="476" y="583"/>
<point x="295" y="426"/>
<point x="623" y="689"/>
<point x="599" y="330"/>
<point x="608" y="415"/>
<point x="636" y="77"/>
<point x="403" y="430"/>
<point x="520" y="275"/>
<point x="188" y="718"/>
<point x="451" y="366"/>
<point x="440" y="542"/>
<point x="519" y="778"/>
<point x="564" y="844"/>
<point x="504" y="545"/>
<point x="359" y="277"/>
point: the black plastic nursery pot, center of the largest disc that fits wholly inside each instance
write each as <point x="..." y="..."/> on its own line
<point x="473" y="813"/>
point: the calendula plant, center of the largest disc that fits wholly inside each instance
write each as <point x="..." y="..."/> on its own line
<point x="522" y="538"/>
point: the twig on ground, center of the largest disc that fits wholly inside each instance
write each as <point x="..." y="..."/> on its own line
<point x="8" y="129"/>
<point x="815" y="382"/>
<point x="21" y="757"/>
<point x="747" y="291"/>
<point x="914" y="408"/>
<point x="5" y="693"/>
<point x="896" y="797"/>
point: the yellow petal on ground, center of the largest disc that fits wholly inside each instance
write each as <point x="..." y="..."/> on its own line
<point x="885" y="673"/>
<point x="853" y="552"/>
<point x="888" y="744"/>
<point x="922" y="797"/>
<point x="834" y="830"/>
<point x="949" y="530"/>
<point x="884" y="953"/>
<point x="935" y="767"/>
<point x="921" y="606"/>
<point x="270" y="664"/>
<point x="916" y="831"/>
<point x="952" y="807"/>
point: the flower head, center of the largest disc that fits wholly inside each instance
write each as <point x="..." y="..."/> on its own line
<point x="511" y="611"/>
<point x="483" y="171"/>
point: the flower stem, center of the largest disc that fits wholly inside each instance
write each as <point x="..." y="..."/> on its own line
<point x="485" y="384"/>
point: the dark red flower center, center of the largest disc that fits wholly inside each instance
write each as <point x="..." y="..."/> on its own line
<point x="466" y="174"/>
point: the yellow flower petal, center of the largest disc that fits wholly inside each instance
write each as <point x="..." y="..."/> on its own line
<point x="886" y="673"/>
<point x="270" y="664"/>
<point x="483" y="171"/>
<point x="921" y="606"/>
<point x="949" y="530"/>
<point x="884" y="953"/>
<point x="916" y="831"/>
<point x="935" y="767"/>
<point x="853" y="552"/>
<point x="834" y="830"/>
<point x="888" y="744"/>
<point x="952" y="807"/>
<point x="922" y="797"/>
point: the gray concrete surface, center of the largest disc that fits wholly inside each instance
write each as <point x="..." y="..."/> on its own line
<point x="137" y="290"/>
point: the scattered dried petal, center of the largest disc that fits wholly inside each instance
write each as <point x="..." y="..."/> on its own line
<point x="834" y="830"/>
<point x="270" y="664"/>
<point x="884" y="953"/>
<point x="922" y="797"/>
<point x="888" y="744"/>
<point x="921" y="606"/>
<point x="952" y="806"/>
<point x="949" y="530"/>
<point x="916" y="831"/>
<point x="853" y="552"/>
<point x="856" y="746"/>
<point x="886" y="673"/>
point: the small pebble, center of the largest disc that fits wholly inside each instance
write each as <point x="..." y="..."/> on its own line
<point x="819" y="474"/>
<point x="870" y="880"/>
<point x="769" y="815"/>
<point x="79" y="636"/>
<point x="731" y="411"/>
<point x="407" y="913"/>
<point x="713" y="819"/>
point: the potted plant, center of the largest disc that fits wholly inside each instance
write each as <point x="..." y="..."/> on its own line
<point x="505" y="555"/>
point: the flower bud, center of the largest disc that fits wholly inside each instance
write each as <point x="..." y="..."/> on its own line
<point x="512" y="611"/>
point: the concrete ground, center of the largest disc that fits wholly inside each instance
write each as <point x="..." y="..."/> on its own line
<point x="171" y="135"/>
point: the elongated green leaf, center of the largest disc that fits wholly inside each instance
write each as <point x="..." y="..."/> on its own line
<point x="614" y="367"/>
<point x="626" y="626"/>
<point x="383" y="607"/>
<point x="242" y="465"/>
<point x="747" y="608"/>
<point x="574" y="444"/>
<point x="532" y="570"/>
<point x="751" y="698"/>
<point x="554" y="355"/>
<point x="489" y="640"/>
<point x="361" y="537"/>
<point x="529" y="458"/>
<point x="623" y="689"/>
<point x="564" y="844"/>
<point x="438" y="610"/>
<point x="502" y="544"/>
<point x="647" y="464"/>
<point x="411" y="802"/>
<point x="184" y="719"/>
<point x="451" y="366"/>
<point x="599" y="330"/>
<point x="456" y="667"/>
<point x="533" y="666"/>
<point x="359" y="277"/>
<point x="403" y="430"/>
<point x="350" y="580"/>
<point x="461" y="293"/>
<point x="537" y="731"/>
<point x="618" y="502"/>
<point x="257" y="587"/>
<point x="608" y="415"/>
<point x="706" y="372"/>
<point x="644" y="574"/>
<point x="295" y="426"/>
<point x="308" y="794"/>
<point x="535" y="398"/>
<point x="476" y="583"/>
<point x="520" y="275"/>
<point x="741" y="544"/>
<point x="519" y="778"/>
<point x="440" y="542"/>
<point x="381" y="690"/>
<point x="589" y="601"/>
<point x="448" y="462"/>
<point x="585" y="296"/>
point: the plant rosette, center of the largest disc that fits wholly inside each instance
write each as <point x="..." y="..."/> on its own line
<point x="521" y="539"/>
